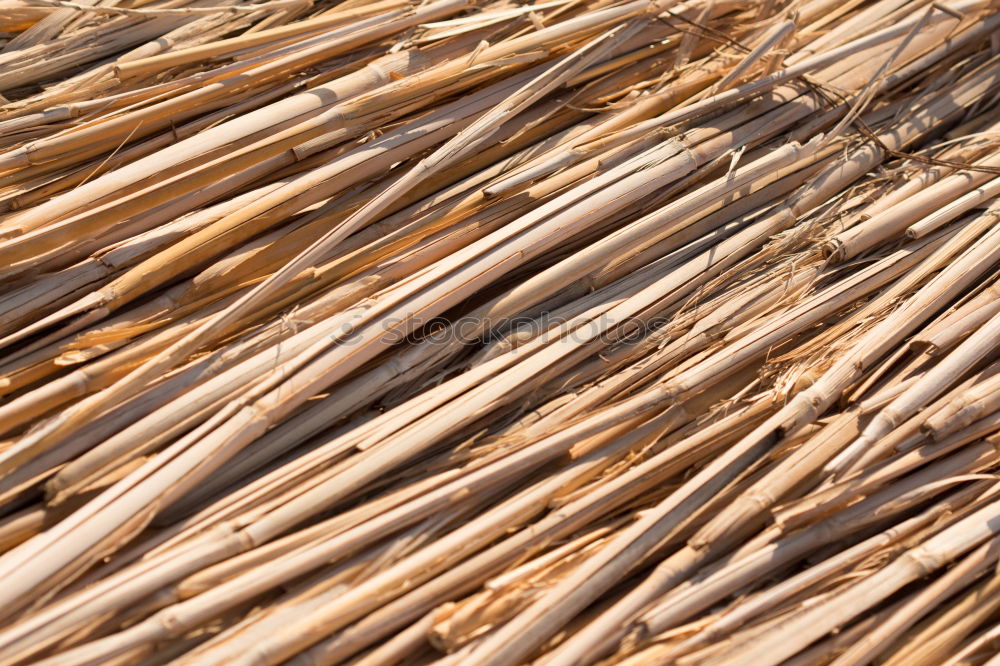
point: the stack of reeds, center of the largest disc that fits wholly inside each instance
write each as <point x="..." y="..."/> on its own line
<point x="498" y="332"/>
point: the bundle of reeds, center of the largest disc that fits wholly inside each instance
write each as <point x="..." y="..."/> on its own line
<point x="558" y="332"/>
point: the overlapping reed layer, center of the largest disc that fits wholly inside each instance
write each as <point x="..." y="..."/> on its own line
<point x="490" y="332"/>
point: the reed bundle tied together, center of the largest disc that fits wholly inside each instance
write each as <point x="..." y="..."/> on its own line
<point x="496" y="332"/>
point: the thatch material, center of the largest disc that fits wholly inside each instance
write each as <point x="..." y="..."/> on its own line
<point x="559" y="332"/>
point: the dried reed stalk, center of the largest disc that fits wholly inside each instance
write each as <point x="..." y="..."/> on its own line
<point x="561" y="332"/>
